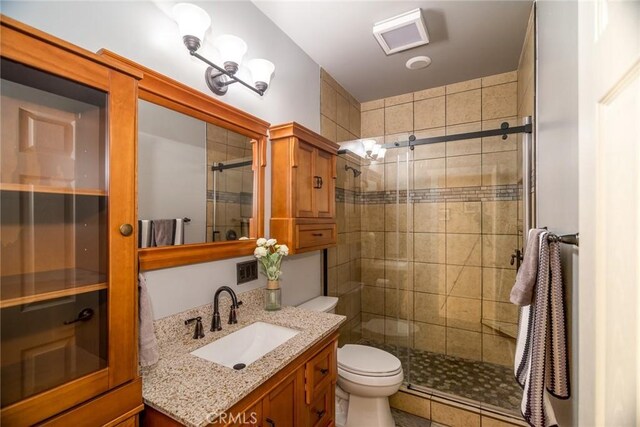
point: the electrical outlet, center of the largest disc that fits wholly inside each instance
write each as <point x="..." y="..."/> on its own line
<point x="247" y="271"/>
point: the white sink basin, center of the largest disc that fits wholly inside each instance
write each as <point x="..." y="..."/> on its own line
<point x="245" y="346"/>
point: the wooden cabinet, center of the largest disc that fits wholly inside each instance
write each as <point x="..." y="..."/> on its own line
<point x="320" y="412"/>
<point x="300" y="395"/>
<point x="252" y="417"/>
<point x="67" y="186"/>
<point x="320" y="372"/>
<point x="279" y="405"/>
<point x="302" y="188"/>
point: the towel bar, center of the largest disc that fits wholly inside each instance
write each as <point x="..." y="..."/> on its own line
<point x="570" y="239"/>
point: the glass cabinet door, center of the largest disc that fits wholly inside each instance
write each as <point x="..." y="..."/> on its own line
<point x="53" y="228"/>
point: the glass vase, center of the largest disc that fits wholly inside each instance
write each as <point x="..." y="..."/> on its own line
<point x="273" y="296"/>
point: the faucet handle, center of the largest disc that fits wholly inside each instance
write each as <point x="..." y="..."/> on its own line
<point x="199" y="331"/>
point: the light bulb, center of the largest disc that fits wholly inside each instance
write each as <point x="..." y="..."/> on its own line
<point x="193" y="23"/>
<point x="231" y="49"/>
<point x="261" y="71"/>
<point x="375" y="150"/>
<point x="368" y="145"/>
<point x="381" y="153"/>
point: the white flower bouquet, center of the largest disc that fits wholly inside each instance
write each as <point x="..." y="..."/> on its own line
<point x="269" y="253"/>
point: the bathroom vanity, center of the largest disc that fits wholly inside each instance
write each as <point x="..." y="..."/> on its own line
<point x="292" y="385"/>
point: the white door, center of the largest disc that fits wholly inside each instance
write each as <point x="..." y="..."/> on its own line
<point x="609" y="291"/>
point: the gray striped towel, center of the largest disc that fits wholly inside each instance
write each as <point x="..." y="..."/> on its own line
<point x="160" y="232"/>
<point x="541" y="362"/>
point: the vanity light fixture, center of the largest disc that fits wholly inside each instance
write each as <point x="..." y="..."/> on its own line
<point x="373" y="150"/>
<point x="193" y="22"/>
<point x="368" y="145"/>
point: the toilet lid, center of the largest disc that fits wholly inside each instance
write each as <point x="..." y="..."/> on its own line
<point x="369" y="361"/>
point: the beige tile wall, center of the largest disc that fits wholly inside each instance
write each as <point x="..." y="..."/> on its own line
<point x="457" y="251"/>
<point x="345" y="260"/>
<point x="224" y="146"/>
<point x="340" y="121"/>
<point x="339" y="111"/>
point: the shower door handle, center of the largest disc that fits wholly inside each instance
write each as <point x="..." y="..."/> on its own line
<point x="517" y="258"/>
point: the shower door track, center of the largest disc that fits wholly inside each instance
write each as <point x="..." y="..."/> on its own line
<point x="504" y="131"/>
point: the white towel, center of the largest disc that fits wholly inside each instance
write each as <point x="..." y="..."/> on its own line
<point x="179" y="233"/>
<point x="144" y="233"/>
<point x="148" y="344"/>
<point x="541" y="360"/>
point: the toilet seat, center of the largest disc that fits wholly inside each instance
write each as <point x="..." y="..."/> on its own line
<point x="371" y="381"/>
<point x="368" y="361"/>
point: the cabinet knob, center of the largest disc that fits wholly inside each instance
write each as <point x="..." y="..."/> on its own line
<point x="324" y="371"/>
<point x="126" y="229"/>
<point x="320" y="414"/>
<point x="270" y="422"/>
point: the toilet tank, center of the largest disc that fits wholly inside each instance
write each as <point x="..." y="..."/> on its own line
<point x="326" y="304"/>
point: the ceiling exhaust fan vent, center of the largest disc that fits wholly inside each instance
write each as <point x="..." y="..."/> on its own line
<point x="401" y="32"/>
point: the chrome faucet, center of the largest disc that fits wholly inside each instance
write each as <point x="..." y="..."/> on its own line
<point x="215" y="323"/>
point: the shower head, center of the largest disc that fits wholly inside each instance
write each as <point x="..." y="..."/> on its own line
<point x="355" y="171"/>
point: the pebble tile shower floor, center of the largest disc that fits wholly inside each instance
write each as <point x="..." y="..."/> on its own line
<point x="482" y="382"/>
<point x="404" y="419"/>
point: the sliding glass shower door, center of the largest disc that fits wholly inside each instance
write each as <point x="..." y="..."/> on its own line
<point x="398" y="281"/>
<point x="453" y="226"/>
<point x="438" y="225"/>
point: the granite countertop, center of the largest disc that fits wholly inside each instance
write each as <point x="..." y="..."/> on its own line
<point x="192" y="390"/>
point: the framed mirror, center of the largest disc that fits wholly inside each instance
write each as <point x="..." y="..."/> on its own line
<point x="201" y="166"/>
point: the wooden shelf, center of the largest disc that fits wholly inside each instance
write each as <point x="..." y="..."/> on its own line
<point x="29" y="188"/>
<point x="48" y="285"/>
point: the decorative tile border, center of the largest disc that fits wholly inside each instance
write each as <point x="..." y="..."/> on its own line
<point x="230" y="197"/>
<point x="432" y="195"/>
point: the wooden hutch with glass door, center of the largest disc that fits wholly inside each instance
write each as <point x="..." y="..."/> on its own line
<point x="68" y="289"/>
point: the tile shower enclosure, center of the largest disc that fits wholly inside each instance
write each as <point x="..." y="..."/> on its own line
<point x="426" y="236"/>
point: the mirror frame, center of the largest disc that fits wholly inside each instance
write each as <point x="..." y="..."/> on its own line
<point x="166" y="92"/>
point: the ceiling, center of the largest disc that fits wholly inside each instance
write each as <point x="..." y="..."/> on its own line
<point x="468" y="39"/>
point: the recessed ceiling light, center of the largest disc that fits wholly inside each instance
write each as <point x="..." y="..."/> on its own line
<point x="418" y="62"/>
<point x="401" y="32"/>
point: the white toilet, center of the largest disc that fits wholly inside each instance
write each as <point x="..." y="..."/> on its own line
<point x="367" y="377"/>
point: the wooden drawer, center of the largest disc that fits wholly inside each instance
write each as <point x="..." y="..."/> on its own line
<point x="320" y="372"/>
<point x="308" y="236"/>
<point x="320" y="412"/>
